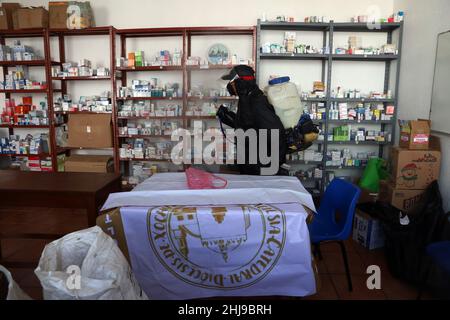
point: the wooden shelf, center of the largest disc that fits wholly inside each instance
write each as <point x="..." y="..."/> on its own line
<point x="151" y="32"/>
<point x="201" y="117"/>
<point x="82" y="78"/>
<point x="23" y="33"/>
<point x="82" y="32"/>
<point x="145" y="159"/>
<point x="40" y="155"/>
<point x="30" y="63"/>
<point x="65" y="149"/>
<point x="186" y="35"/>
<point x="169" y="117"/>
<point x="50" y="91"/>
<point x="24" y="91"/>
<point x="81" y="112"/>
<point x="40" y="32"/>
<point x="150" y="117"/>
<point x="213" y="98"/>
<point x="31" y="126"/>
<point x="143" y="136"/>
<point x="150" y="68"/>
<point x="211" y="67"/>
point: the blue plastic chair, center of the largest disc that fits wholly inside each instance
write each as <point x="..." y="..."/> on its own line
<point x="333" y="221"/>
<point x="439" y="252"/>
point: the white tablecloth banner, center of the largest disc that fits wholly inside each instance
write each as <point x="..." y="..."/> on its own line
<point x="186" y="252"/>
<point x="171" y="188"/>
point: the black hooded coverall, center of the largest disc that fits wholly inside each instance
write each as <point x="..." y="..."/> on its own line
<point x="255" y="112"/>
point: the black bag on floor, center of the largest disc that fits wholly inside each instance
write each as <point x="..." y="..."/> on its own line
<point x="405" y="244"/>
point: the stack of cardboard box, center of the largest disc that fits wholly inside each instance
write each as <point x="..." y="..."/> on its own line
<point x="6" y="15"/>
<point x="13" y="16"/>
<point x="61" y="15"/>
<point x="415" y="164"/>
<point x="91" y="131"/>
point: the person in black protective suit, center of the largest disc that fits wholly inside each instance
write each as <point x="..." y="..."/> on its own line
<point x="254" y="112"/>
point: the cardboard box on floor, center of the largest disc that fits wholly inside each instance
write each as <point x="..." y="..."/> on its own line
<point x="6" y="15"/>
<point x="111" y="224"/>
<point x="57" y="13"/>
<point x="415" y="134"/>
<point x="88" y="163"/>
<point x="367" y="231"/>
<point x="89" y="131"/>
<point x="30" y="18"/>
<point x="416" y="169"/>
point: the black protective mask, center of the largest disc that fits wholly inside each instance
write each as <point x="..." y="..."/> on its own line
<point x="230" y="89"/>
<point x="241" y="87"/>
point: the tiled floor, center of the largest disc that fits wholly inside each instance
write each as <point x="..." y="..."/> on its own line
<point x="333" y="282"/>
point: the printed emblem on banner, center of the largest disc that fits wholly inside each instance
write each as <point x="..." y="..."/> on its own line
<point x="225" y="248"/>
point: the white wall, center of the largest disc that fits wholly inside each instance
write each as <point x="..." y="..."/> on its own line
<point x="424" y="21"/>
<point x="150" y="13"/>
<point x="180" y="13"/>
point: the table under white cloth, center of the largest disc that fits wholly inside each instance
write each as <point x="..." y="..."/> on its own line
<point x="171" y="188"/>
<point x="259" y="247"/>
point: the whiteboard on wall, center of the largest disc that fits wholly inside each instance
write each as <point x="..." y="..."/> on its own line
<point x="440" y="98"/>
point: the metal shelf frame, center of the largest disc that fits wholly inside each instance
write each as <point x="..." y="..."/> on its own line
<point x="187" y="33"/>
<point x="328" y="60"/>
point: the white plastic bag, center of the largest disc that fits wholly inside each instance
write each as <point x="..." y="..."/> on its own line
<point x="87" y="265"/>
<point x="14" y="291"/>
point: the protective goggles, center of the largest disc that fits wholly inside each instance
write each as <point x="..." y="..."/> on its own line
<point x="246" y="78"/>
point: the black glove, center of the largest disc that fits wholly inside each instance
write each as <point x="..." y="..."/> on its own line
<point x="308" y="127"/>
<point x="226" y="116"/>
